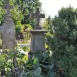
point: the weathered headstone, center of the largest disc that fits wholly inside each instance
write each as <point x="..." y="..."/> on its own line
<point x="37" y="17"/>
<point x="38" y="35"/>
<point x="8" y="32"/>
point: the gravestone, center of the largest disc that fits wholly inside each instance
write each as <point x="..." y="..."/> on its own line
<point x="8" y="32"/>
<point x="38" y="34"/>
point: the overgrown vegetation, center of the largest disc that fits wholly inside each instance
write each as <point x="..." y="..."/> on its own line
<point x="63" y="43"/>
<point x="61" y="40"/>
<point x="39" y="64"/>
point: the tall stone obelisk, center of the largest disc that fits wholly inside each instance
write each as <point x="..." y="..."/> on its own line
<point x="8" y="32"/>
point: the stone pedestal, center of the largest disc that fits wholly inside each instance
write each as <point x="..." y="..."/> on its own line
<point x="37" y="40"/>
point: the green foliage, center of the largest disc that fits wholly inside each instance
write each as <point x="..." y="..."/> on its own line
<point x="27" y="27"/>
<point x="47" y="23"/>
<point x="2" y="61"/>
<point x="63" y="43"/>
<point x="26" y="9"/>
<point x="6" y="61"/>
<point x="23" y="14"/>
<point x="40" y="65"/>
<point x="25" y="48"/>
<point x="2" y="12"/>
<point x="0" y="43"/>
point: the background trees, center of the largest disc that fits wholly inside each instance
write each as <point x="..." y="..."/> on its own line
<point x="23" y="13"/>
<point x="26" y="8"/>
<point x="64" y="41"/>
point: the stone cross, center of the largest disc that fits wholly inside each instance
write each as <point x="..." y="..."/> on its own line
<point x="37" y="16"/>
<point x="7" y="7"/>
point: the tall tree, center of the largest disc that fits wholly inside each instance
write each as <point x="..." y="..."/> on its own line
<point x="64" y="42"/>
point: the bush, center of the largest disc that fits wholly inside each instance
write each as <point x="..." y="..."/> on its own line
<point x="63" y="43"/>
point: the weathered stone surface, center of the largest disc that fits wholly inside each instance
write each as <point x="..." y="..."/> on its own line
<point x="8" y="33"/>
<point x="38" y="40"/>
<point x="8" y="30"/>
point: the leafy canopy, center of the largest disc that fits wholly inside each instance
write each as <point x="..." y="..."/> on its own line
<point x="64" y="41"/>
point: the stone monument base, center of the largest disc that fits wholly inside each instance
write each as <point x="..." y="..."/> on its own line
<point x="37" y="40"/>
